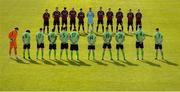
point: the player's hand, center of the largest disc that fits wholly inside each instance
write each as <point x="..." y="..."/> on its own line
<point x="11" y="40"/>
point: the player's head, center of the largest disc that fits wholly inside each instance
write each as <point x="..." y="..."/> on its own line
<point x="140" y="27"/>
<point x="106" y="29"/>
<point x="81" y="9"/>
<point x="120" y="30"/>
<point x="64" y="8"/>
<point x="119" y="9"/>
<point x="41" y="29"/>
<point x="130" y="10"/>
<point x="28" y="31"/>
<point x="56" y="8"/>
<point x="139" y="10"/>
<point x="16" y="28"/>
<point x="100" y="8"/>
<point x="53" y="30"/>
<point x="73" y="8"/>
<point x="91" y="31"/>
<point x="46" y="10"/>
<point x="74" y="29"/>
<point x="65" y="28"/>
<point x="109" y="9"/>
<point x="90" y="9"/>
<point x="157" y="29"/>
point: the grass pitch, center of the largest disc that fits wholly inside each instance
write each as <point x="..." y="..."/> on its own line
<point x="91" y="75"/>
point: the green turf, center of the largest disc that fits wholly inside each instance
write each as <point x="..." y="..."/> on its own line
<point x="92" y="75"/>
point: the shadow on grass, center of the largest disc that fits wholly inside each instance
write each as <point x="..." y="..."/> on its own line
<point x="72" y="62"/>
<point x="150" y="63"/>
<point x="148" y="35"/>
<point x="99" y="62"/>
<point x="115" y="63"/>
<point x="18" y="60"/>
<point x="98" y="34"/>
<point x="81" y="63"/>
<point x="47" y="62"/>
<point x="130" y="63"/>
<point x="83" y="34"/>
<point x="168" y="62"/>
<point x="128" y="34"/>
<point x="32" y="61"/>
<point x="59" y="62"/>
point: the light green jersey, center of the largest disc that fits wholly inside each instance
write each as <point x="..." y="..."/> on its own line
<point x="107" y="37"/>
<point x="120" y="37"/>
<point x="64" y="36"/>
<point x="39" y="37"/>
<point x="140" y="35"/>
<point x="74" y="37"/>
<point x="26" y="38"/>
<point x="91" y="38"/>
<point x="158" y="38"/>
<point x="52" y="37"/>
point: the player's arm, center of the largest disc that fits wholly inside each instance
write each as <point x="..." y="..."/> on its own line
<point x="95" y="38"/>
<point x="49" y="15"/>
<point x="10" y="37"/>
<point x="116" y="38"/>
<point x="116" y="15"/>
<point x="161" y="38"/>
<point x="132" y="15"/>
<point x="70" y="14"/>
<point x="53" y="15"/>
<point x="87" y="14"/>
<point x="43" y="16"/>
<point x="23" y="39"/>
<point x="36" y="38"/>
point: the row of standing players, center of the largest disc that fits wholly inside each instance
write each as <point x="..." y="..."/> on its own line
<point x="91" y="38"/>
<point x="90" y="15"/>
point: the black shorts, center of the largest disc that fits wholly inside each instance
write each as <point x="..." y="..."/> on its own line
<point x="64" y="45"/>
<point x="46" y="23"/>
<point x="64" y="22"/>
<point x="107" y="46"/>
<point x="40" y="45"/>
<point x="109" y="22"/>
<point x="130" y="23"/>
<point x="91" y="47"/>
<point x="158" y="46"/>
<point x="100" y="21"/>
<point x="72" y="21"/>
<point x="52" y="46"/>
<point x="119" y="46"/>
<point x="81" y="23"/>
<point x="56" y="22"/>
<point x="74" y="47"/>
<point x="138" y="23"/>
<point x="139" y="45"/>
<point x="119" y="22"/>
<point x="26" y="46"/>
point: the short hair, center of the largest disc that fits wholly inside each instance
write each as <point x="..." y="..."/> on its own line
<point x="106" y="28"/>
<point x="28" y="30"/>
<point x="53" y="30"/>
<point x="119" y="8"/>
<point x="80" y="8"/>
<point x="74" y="29"/>
<point x="140" y="26"/>
<point x="65" y="28"/>
<point x="64" y="7"/>
<point x="40" y="29"/>
<point x="157" y="29"/>
<point x="16" y="28"/>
